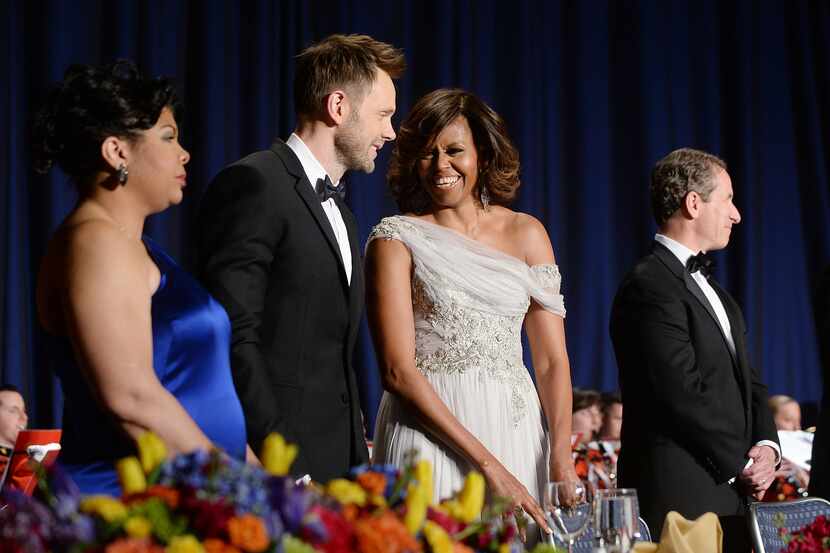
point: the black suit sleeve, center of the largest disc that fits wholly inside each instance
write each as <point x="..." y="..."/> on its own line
<point x="653" y="329"/>
<point x="763" y="427"/>
<point x="239" y="229"/>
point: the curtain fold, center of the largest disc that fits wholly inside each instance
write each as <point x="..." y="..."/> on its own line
<point x="593" y="93"/>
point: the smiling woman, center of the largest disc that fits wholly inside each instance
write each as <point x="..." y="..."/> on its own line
<point x="111" y="300"/>
<point x="450" y="285"/>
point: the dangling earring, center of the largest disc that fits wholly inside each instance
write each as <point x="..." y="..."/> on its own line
<point x="122" y="173"/>
<point x="485" y="198"/>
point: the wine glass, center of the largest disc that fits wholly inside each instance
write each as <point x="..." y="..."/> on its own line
<point x="568" y="509"/>
<point x="617" y="519"/>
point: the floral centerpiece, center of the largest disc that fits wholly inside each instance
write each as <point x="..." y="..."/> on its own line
<point x="813" y="538"/>
<point x="208" y="502"/>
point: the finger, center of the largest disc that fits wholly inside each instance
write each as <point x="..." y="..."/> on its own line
<point x="538" y="515"/>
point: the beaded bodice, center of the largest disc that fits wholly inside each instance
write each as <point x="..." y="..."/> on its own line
<point x="469" y="302"/>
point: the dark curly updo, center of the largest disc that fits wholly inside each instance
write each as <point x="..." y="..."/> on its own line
<point x="498" y="159"/>
<point x="90" y="104"/>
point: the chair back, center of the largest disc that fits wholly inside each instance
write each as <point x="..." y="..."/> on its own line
<point x="765" y="520"/>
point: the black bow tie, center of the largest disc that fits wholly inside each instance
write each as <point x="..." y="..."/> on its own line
<point x="701" y="262"/>
<point x="325" y="189"/>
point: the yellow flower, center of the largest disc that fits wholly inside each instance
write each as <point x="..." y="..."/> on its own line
<point x="138" y="527"/>
<point x="504" y="548"/>
<point x="347" y="492"/>
<point x="438" y="539"/>
<point x="277" y="455"/>
<point x="416" y="508"/>
<point x="131" y="476"/>
<point x="423" y="473"/>
<point x="106" y="507"/>
<point x="472" y="496"/>
<point x="151" y="451"/>
<point x="184" y="544"/>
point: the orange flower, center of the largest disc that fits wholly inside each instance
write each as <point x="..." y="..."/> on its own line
<point x="248" y="533"/>
<point x="372" y="482"/>
<point x="166" y="494"/>
<point x="133" y="545"/>
<point x="384" y="533"/>
<point x="350" y="512"/>
<point x="213" y="545"/>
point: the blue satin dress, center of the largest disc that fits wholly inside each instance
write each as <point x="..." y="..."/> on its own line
<point x="191" y="357"/>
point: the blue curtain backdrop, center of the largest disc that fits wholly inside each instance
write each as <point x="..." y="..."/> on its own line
<point x="594" y="93"/>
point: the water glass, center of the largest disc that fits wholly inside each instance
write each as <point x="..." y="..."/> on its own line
<point x="568" y="509"/>
<point x="616" y="519"/>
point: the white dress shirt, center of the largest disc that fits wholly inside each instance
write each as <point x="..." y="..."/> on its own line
<point x="314" y="171"/>
<point x="683" y="253"/>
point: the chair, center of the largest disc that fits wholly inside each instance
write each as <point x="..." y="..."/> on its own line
<point x="766" y="518"/>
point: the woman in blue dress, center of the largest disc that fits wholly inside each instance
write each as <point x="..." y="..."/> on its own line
<point x="139" y="345"/>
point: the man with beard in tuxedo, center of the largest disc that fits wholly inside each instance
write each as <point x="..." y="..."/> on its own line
<point x="278" y="247"/>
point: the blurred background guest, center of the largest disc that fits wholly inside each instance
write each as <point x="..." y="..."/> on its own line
<point x="595" y="456"/>
<point x="612" y="413"/>
<point x="138" y="344"/>
<point x="13" y="419"/>
<point x="785" y="412"/>
<point x="793" y="475"/>
<point x="586" y="417"/>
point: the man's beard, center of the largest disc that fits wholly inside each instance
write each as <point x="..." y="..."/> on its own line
<point x="348" y="146"/>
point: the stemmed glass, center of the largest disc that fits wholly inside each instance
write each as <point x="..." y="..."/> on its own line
<point x="568" y="509"/>
<point x="617" y="519"/>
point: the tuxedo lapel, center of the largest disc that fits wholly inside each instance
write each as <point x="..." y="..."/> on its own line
<point x="356" y="288"/>
<point x="671" y="261"/>
<point x="742" y="362"/>
<point x="306" y="192"/>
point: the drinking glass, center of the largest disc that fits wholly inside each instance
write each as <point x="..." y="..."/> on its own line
<point x="616" y="519"/>
<point x="568" y="509"/>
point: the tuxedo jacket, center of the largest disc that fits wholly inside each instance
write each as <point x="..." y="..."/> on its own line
<point x="692" y="408"/>
<point x="820" y="465"/>
<point x="267" y="252"/>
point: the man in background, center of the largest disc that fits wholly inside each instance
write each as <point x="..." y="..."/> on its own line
<point x="697" y="435"/>
<point x="13" y="419"/>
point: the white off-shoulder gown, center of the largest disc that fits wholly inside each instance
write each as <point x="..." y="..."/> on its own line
<point x="469" y="303"/>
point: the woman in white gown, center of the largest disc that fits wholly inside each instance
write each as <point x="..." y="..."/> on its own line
<point x="449" y="286"/>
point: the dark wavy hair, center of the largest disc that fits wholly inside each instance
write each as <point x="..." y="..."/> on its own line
<point x="498" y="158"/>
<point x="90" y="104"/>
<point x="583" y="399"/>
<point x="680" y="172"/>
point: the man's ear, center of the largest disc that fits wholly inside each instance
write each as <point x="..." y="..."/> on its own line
<point x="115" y="152"/>
<point x="691" y="205"/>
<point x="337" y="107"/>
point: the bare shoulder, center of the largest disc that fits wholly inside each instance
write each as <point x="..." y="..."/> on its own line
<point x="530" y="237"/>
<point x="387" y="250"/>
<point x="98" y="251"/>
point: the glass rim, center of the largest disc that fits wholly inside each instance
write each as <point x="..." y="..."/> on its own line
<point x="616" y="491"/>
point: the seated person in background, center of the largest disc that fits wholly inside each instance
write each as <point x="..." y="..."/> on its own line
<point x="791" y="481"/>
<point x="586" y="416"/>
<point x="594" y="460"/>
<point x="612" y="413"/>
<point x="13" y="419"/>
<point x="785" y="412"/>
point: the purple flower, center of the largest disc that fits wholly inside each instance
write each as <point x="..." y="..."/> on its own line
<point x="290" y="501"/>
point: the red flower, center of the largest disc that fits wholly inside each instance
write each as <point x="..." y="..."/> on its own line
<point x="445" y="521"/>
<point x="208" y="518"/>
<point x="340" y="533"/>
